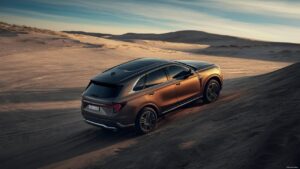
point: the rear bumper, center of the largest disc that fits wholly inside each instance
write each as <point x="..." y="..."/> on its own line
<point x="100" y="121"/>
<point x="100" y="125"/>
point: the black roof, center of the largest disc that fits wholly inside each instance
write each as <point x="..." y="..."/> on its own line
<point x="129" y="69"/>
<point x="195" y="64"/>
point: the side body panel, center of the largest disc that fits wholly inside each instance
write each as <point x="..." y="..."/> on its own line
<point x="188" y="88"/>
<point x="160" y="97"/>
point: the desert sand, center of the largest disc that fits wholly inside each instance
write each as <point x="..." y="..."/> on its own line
<point x="254" y="124"/>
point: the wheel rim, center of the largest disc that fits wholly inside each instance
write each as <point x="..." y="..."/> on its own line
<point x="147" y="121"/>
<point x="213" y="90"/>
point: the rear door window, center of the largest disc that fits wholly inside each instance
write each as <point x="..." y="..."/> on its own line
<point x="156" y="78"/>
<point x="102" y="90"/>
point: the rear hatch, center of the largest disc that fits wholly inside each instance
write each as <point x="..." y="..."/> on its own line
<point x="98" y="98"/>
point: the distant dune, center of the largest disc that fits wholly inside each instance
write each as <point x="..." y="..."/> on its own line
<point x="219" y="45"/>
<point x="5" y="28"/>
<point x="187" y="36"/>
<point x="254" y="124"/>
<point x="89" y="33"/>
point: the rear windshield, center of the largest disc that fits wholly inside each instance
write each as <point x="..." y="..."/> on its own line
<point x="102" y="90"/>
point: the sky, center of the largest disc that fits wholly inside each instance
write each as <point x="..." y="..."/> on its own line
<point x="269" y="20"/>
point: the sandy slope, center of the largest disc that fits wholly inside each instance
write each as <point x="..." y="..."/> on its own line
<point x="43" y="74"/>
<point x="258" y="127"/>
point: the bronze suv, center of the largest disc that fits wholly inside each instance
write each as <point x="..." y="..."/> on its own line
<point x="138" y="92"/>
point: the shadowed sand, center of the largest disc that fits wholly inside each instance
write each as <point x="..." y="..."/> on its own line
<point x="43" y="74"/>
<point x="256" y="128"/>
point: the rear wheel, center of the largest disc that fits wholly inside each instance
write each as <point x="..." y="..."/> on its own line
<point x="212" y="91"/>
<point x="146" y="120"/>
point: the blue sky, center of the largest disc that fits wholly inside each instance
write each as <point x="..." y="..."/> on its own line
<point x="266" y="20"/>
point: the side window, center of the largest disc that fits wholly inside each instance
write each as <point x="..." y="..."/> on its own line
<point x="177" y="71"/>
<point x="140" y="84"/>
<point x="156" y="78"/>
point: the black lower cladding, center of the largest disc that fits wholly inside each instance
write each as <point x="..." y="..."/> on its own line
<point x="96" y="119"/>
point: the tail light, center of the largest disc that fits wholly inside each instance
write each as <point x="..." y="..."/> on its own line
<point x="117" y="107"/>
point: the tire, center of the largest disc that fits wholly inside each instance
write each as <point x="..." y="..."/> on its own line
<point x="211" y="91"/>
<point x="146" y="120"/>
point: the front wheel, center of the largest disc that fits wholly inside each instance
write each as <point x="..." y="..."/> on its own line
<point x="146" y="120"/>
<point x="212" y="91"/>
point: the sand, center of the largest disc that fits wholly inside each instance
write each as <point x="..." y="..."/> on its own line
<point x="43" y="74"/>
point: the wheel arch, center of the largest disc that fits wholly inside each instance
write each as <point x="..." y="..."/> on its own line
<point x="151" y="105"/>
<point x="215" y="77"/>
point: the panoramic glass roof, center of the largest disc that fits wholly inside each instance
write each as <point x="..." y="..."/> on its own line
<point x="138" y="64"/>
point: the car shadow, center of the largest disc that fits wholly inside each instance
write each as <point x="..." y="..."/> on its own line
<point x="37" y="138"/>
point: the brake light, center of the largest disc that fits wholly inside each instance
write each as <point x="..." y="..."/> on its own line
<point x="117" y="107"/>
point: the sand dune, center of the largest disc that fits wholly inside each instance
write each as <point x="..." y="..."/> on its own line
<point x="259" y="128"/>
<point x="220" y="45"/>
<point x="216" y="45"/>
<point x="44" y="72"/>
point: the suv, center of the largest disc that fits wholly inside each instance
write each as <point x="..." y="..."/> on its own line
<point x="137" y="92"/>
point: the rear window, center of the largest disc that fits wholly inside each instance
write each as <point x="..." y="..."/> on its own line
<point x="101" y="90"/>
<point x="140" y="84"/>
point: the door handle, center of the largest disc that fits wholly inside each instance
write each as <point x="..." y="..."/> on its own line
<point x="151" y="93"/>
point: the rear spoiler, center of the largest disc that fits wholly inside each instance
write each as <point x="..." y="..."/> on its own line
<point x="104" y="83"/>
